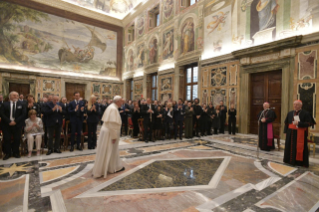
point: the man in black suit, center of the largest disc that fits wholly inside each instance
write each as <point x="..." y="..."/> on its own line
<point x="21" y="99"/>
<point x="13" y="116"/>
<point x="54" y="114"/>
<point x="66" y="115"/>
<point x="44" y="120"/>
<point x="197" y="114"/>
<point x="223" y="112"/>
<point x="149" y="115"/>
<point x="76" y="111"/>
<point x="124" y="111"/>
<point x="179" y="112"/>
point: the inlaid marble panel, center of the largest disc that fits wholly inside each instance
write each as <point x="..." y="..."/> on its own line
<point x="11" y="195"/>
<point x="307" y="65"/>
<point x="56" y="173"/>
<point x="170" y="173"/>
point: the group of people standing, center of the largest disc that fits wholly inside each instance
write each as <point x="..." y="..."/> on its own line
<point x="170" y="118"/>
<point x="45" y="119"/>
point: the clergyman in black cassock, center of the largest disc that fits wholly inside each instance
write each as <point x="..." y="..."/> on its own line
<point x="296" y="130"/>
<point x="266" y="132"/>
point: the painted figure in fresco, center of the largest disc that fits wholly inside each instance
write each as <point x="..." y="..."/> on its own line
<point x="130" y="62"/>
<point x="168" y="45"/>
<point x="267" y="10"/>
<point x="153" y="51"/>
<point x="218" y="21"/>
<point x="140" y="25"/>
<point x="168" y="8"/>
<point x="166" y="85"/>
<point x="140" y="57"/>
<point x="120" y="6"/>
<point x="187" y="44"/>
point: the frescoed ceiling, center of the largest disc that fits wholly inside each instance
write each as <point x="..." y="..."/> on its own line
<point x="114" y="8"/>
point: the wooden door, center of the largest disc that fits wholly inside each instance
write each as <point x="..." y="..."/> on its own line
<point x="20" y="88"/>
<point x="265" y="87"/>
<point x="70" y="88"/>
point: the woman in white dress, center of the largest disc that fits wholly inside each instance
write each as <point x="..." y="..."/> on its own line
<point x="107" y="156"/>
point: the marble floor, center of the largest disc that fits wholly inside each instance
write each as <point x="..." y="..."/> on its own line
<point x="212" y="173"/>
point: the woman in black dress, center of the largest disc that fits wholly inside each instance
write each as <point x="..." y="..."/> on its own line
<point x="93" y="118"/>
<point x="135" y="116"/>
<point x="216" y="119"/>
<point x="168" y="120"/>
<point x="204" y="119"/>
<point x="158" y="123"/>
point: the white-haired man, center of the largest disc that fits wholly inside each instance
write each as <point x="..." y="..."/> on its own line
<point x="13" y="114"/>
<point x="107" y="156"/>
<point x="296" y="130"/>
<point x="266" y="133"/>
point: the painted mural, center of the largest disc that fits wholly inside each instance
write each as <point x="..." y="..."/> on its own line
<point x="36" y="39"/>
<point x="218" y="32"/>
<point x="168" y="9"/>
<point x="188" y="36"/>
<point x="141" y="59"/>
<point x="153" y="50"/>
<point x="130" y="61"/>
<point x="116" y="8"/>
<point x="140" y="26"/>
<point x="168" y="47"/>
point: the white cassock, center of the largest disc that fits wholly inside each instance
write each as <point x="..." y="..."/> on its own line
<point x="107" y="156"/>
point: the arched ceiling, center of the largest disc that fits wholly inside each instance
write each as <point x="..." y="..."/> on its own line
<point x="114" y="8"/>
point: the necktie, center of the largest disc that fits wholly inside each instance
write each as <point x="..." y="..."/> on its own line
<point x="14" y="110"/>
<point x="150" y="113"/>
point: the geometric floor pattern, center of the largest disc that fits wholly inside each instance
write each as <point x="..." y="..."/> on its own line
<point x="213" y="173"/>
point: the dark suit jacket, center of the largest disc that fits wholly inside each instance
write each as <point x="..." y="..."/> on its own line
<point x="65" y="107"/>
<point x="19" y="116"/>
<point x="34" y="107"/>
<point x="94" y="116"/>
<point x="223" y="112"/>
<point x="124" y="113"/>
<point x="53" y="117"/>
<point x="179" y="113"/>
<point x="145" y="115"/>
<point x="75" y="115"/>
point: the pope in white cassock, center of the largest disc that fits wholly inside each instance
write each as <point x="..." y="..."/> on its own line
<point x="107" y="156"/>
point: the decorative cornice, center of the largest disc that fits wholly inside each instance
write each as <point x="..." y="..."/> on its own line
<point x="168" y="71"/>
<point x="313" y="37"/>
<point x="269" y="47"/>
<point x="192" y="57"/>
<point x="151" y="68"/>
<point x="222" y="58"/>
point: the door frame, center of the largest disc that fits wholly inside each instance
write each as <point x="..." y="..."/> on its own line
<point x="87" y="84"/>
<point x="6" y="83"/>
<point x="287" y="67"/>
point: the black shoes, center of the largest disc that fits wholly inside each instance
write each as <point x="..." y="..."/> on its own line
<point x="72" y="148"/>
<point x="120" y="170"/>
<point x="16" y="155"/>
<point x="57" y="151"/>
<point x="79" y="148"/>
<point x="49" y="152"/>
<point x="7" y="157"/>
<point x="146" y="141"/>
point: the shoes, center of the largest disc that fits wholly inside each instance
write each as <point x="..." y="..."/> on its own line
<point x="57" y="151"/>
<point x="120" y="170"/>
<point x="49" y="152"/>
<point x="180" y="138"/>
<point x="7" y="157"/>
<point x="79" y="148"/>
<point x="29" y="155"/>
<point x="16" y="155"/>
<point x="72" y="149"/>
<point x="38" y="153"/>
<point x="146" y="141"/>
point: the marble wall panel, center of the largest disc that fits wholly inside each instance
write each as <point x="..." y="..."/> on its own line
<point x="307" y="65"/>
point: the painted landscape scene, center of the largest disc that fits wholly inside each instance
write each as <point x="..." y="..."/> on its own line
<point x="36" y="39"/>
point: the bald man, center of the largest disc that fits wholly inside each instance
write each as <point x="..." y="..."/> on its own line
<point x="296" y="130"/>
<point x="266" y="132"/>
